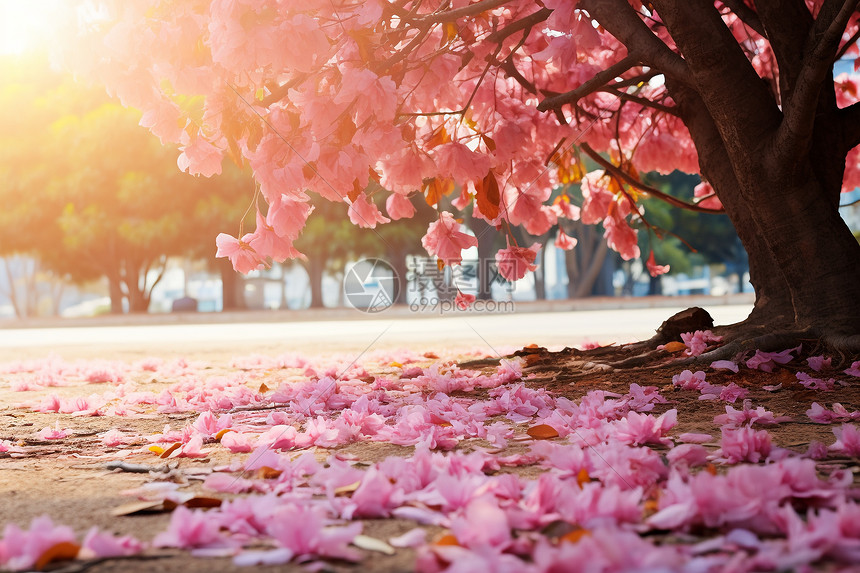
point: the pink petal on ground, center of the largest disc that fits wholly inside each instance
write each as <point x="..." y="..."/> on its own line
<point x="725" y="365"/>
<point x="103" y="544"/>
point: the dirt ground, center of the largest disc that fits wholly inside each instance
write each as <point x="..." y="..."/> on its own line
<point x="68" y="479"/>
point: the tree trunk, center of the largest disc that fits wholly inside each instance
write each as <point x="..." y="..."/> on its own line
<point x="540" y="275"/>
<point x="232" y="297"/>
<point x="115" y="293"/>
<point x="585" y="261"/>
<point x="315" y="268"/>
<point x="486" y="257"/>
<point x="803" y="259"/>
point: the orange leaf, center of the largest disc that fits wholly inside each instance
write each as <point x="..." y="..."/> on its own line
<point x="432" y="355"/>
<point x="265" y="472"/>
<point x="156" y="449"/>
<point x="438" y="138"/>
<point x="674" y="346"/>
<point x="58" y="552"/>
<point x="487" y="196"/>
<point x="166" y="453"/>
<point x="542" y="432"/>
<point x="440" y="264"/>
<point x="220" y="434"/>
<point x="582" y="477"/>
<point x="447" y="539"/>
<point x="263" y="388"/>
<point x="345" y="489"/>
<point x="575" y="535"/>
<point x="203" y="502"/>
<point x="435" y="189"/>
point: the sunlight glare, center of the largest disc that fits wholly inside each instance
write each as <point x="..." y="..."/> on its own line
<point x="25" y="25"/>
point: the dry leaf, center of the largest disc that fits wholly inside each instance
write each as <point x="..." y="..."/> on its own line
<point x="447" y="539"/>
<point x="345" y="489"/>
<point x="138" y="507"/>
<point x="156" y="449"/>
<point x="57" y="552"/>
<point x="432" y="355"/>
<point x="582" y="477"/>
<point x="166" y="453"/>
<point x="674" y="346"/>
<point x="263" y="388"/>
<point x="575" y="535"/>
<point x="203" y="502"/>
<point x="372" y="544"/>
<point x="220" y="434"/>
<point x="542" y="432"/>
<point x="266" y="472"/>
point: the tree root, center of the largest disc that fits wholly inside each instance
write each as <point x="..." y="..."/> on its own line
<point x="739" y="341"/>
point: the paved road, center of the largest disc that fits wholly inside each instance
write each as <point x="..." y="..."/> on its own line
<point x="499" y="331"/>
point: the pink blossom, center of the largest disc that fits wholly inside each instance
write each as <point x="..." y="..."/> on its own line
<point x="690" y="455"/>
<point x="515" y="262"/>
<point x="854" y="370"/>
<point x="704" y="192"/>
<point x="482" y="525"/>
<point x="765" y="361"/>
<point x="697" y="342"/>
<point x="101" y="544"/>
<point x="55" y="433"/>
<point x="243" y="257"/>
<point x="689" y="380"/>
<point x="694" y="438"/>
<point x="21" y="548"/>
<point x="815" y="383"/>
<point x="847" y="440"/>
<point x="725" y="365"/>
<point x="265" y="242"/>
<point x="399" y="207"/>
<point x="564" y="242"/>
<point x="654" y="269"/>
<point x="190" y="528"/>
<point x="640" y="429"/>
<point x="363" y="213"/>
<point x="732" y="392"/>
<point x="237" y="442"/>
<point x="302" y="530"/>
<point x="114" y="438"/>
<point x="818" y="363"/>
<point x="737" y="418"/>
<point x="199" y="157"/>
<point x="821" y="415"/>
<point x="463" y="300"/>
<point x="444" y="239"/>
<point x="744" y="445"/>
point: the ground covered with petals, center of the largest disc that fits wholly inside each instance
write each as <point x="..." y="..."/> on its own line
<point x="402" y="460"/>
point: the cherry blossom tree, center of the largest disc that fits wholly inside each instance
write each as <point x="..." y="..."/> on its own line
<point x="497" y="102"/>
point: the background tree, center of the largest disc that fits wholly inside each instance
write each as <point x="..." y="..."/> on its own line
<point x="500" y="96"/>
<point x="91" y="194"/>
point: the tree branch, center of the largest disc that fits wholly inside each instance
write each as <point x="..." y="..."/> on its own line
<point x="594" y="84"/>
<point x="746" y="14"/>
<point x="847" y="45"/>
<point x="646" y="189"/>
<point x="821" y="46"/>
<point x="623" y="22"/>
<point x="522" y="24"/>
<point x="456" y="14"/>
<point x="736" y="98"/>
<point x="644" y="102"/>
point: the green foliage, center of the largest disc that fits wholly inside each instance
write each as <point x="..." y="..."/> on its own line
<point x="90" y="193"/>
